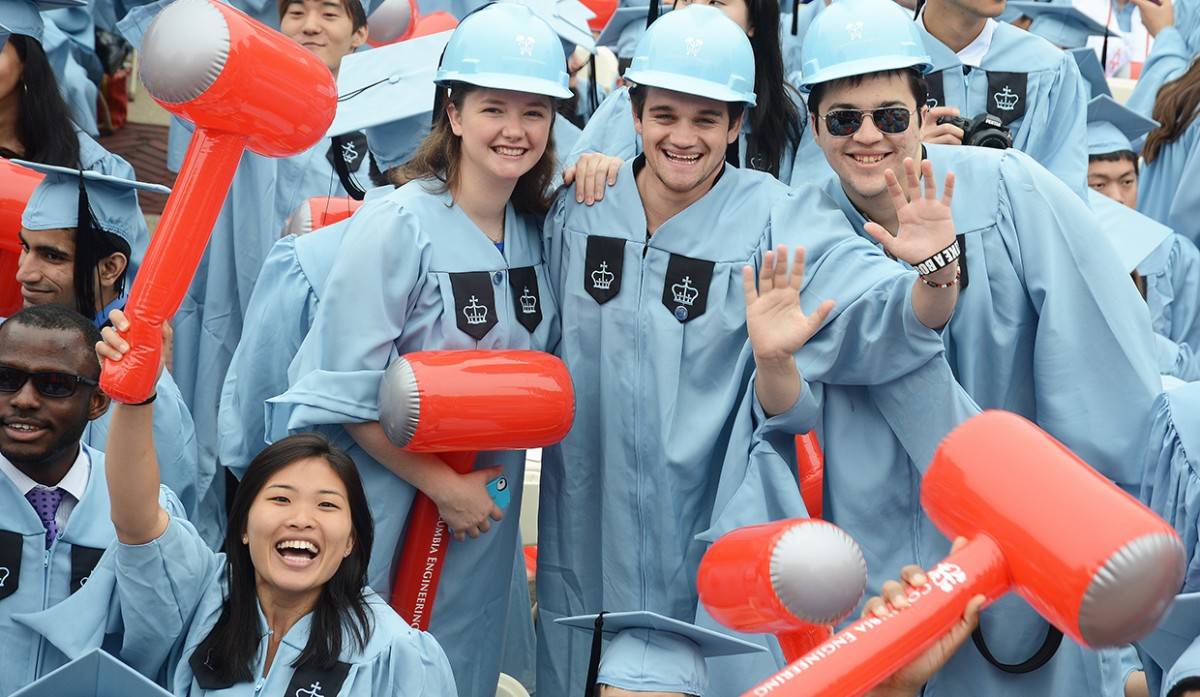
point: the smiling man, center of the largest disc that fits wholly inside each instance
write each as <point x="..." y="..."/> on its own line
<point x="85" y="266"/>
<point x="1047" y="326"/>
<point x="663" y="349"/>
<point x="54" y="509"/>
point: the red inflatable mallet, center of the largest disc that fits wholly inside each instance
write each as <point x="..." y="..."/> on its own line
<point x="16" y="187"/>
<point x="1088" y="557"/>
<point x="245" y="87"/>
<point x="792" y="578"/>
<point x="318" y="212"/>
<point x="457" y="403"/>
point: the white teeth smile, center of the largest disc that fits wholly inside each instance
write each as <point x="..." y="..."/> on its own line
<point x="868" y="159"/>
<point x="682" y="158"/>
<point x="302" y="545"/>
<point x="23" y="427"/>
<point x="510" y="152"/>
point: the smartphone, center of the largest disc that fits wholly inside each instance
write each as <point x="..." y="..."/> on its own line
<point x="498" y="490"/>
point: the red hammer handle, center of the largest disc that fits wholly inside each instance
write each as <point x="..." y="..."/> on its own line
<point x="171" y="261"/>
<point x="867" y="651"/>
<point x="423" y="553"/>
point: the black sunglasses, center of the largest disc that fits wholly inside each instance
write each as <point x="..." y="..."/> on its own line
<point x="48" y="384"/>
<point x="888" y="119"/>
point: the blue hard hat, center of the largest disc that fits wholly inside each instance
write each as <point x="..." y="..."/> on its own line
<point x="697" y="50"/>
<point x="506" y="46"/>
<point x="857" y="37"/>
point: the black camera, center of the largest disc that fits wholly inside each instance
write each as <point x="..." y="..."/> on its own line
<point x="984" y="131"/>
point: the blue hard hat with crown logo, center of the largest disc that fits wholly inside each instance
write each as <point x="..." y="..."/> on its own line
<point x="697" y="50"/>
<point x="506" y="46"/>
<point x="857" y="37"/>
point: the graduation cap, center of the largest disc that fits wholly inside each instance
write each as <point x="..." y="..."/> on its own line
<point x="387" y="92"/>
<point x="650" y="652"/>
<point x="568" y="18"/>
<point x="1133" y="235"/>
<point x="94" y="204"/>
<point x="1089" y="67"/>
<point x="624" y="30"/>
<point x="1175" y="633"/>
<point x="24" y="16"/>
<point x="1060" y="23"/>
<point x="1113" y="127"/>
<point x="94" y="674"/>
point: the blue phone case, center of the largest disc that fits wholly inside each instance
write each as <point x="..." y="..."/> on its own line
<point x="498" y="490"/>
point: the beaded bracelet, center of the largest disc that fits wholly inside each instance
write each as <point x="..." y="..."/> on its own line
<point x="947" y="284"/>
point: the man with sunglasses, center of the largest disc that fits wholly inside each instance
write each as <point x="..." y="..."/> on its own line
<point x="688" y="368"/>
<point x="54" y="512"/>
<point x="1047" y="326"/>
<point x="89" y="265"/>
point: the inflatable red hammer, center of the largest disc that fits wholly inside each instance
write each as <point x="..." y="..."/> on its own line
<point x="1088" y="557"/>
<point x="318" y="212"/>
<point x="16" y="186"/>
<point x="245" y="87"/>
<point x="457" y="403"/>
<point x="792" y="578"/>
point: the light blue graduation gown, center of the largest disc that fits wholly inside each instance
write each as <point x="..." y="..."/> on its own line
<point x="281" y="311"/>
<point x="45" y="577"/>
<point x="162" y="599"/>
<point x="1172" y="490"/>
<point x="1169" y="57"/>
<point x="1050" y="121"/>
<point x="665" y="422"/>
<point x="390" y="292"/>
<point x="1166" y="186"/>
<point x="1039" y="295"/>
<point x="611" y="131"/>
<point x="1042" y="293"/>
<point x="790" y="45"/>
<point x="1172" y="273"/>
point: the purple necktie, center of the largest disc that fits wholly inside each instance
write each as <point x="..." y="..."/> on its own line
<point x="46" y="502"/>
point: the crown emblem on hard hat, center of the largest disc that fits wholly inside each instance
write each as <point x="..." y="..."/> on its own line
<point x="693" y="45"/>
<point x="474" y="312"/>
<point x="528" y="303"/>
<point x="525" y="44"/>
<point x="685" y="293"/>
<point x="602" y="278"/>
<point x="855" y="29"/>
<point x="1006" y="100"/>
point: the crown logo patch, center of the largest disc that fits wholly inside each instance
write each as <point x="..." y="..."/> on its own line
<point x="602" y="278"/>
<point x="684" y="292"/>
<point x="313" y="690"/>
<point x="474" y="312"/>
<point x="1006" y="99"/>
<point x="349" y="152"/>
<point x="855" y="30"/>
<point x="693" y="46"/>
<point x="525" y="44"/>
<point x="528" y="302"/>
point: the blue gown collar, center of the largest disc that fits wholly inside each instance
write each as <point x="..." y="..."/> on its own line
<point x="101" y="318"/>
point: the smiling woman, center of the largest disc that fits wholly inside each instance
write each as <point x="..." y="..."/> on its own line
<point x="285" y="608"/>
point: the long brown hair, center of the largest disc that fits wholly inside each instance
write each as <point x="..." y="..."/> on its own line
<point x="440" y="154"/>
<point x="1175" y="109"/>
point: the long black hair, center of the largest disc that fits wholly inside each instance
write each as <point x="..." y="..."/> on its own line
<point x="44" y="124"/>
<point x="775" y="122"/>
<point x="232" y="646"/>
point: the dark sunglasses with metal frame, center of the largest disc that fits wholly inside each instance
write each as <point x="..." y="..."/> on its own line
<point x="48" y="384"/>
<point x="888" y="119"/>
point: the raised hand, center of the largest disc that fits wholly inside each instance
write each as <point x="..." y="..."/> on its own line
<point x="926" y="226"/>
<point x="775" y="321"/>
